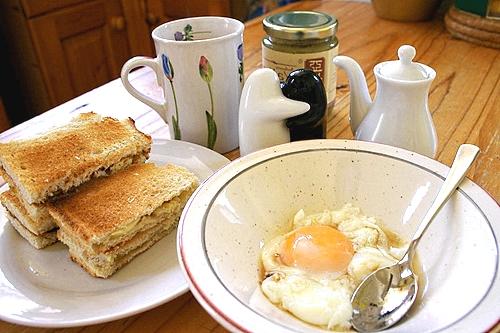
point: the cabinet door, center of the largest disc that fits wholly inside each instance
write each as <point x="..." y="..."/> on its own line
<point x="80" y="47"/>
<point x="138" y="15"/>
<point x="36" y="7"/>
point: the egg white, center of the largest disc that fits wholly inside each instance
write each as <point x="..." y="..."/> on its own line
<point x="323" y="299"/>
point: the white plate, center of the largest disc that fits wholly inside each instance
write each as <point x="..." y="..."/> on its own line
<point x="45" y="288"/>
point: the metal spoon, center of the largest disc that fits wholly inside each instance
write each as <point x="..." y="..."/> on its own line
<point x="384" y="296"/>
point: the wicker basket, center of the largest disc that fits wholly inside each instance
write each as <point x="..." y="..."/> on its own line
<point x="473" y="28"/>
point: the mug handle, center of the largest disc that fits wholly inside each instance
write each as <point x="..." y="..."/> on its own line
<point x="152" y="63"/>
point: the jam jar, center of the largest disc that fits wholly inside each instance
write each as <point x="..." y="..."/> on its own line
<point x="302" y="39"/>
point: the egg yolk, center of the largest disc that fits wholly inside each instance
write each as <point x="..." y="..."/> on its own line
<point x="317" y="248"/>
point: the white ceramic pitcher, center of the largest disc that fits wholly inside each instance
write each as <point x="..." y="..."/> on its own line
<point x="399" y="115"/>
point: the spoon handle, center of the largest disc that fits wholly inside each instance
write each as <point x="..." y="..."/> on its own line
<point x="464" y="158"/>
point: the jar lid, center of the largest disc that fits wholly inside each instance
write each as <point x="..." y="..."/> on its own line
<point x="404" y="68"/>
<point x="297" y="25"/>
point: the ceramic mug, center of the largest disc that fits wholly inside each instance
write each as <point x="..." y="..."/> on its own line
<point x="199" y="66"/>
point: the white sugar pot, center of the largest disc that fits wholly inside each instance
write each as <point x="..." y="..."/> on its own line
<point x="399" y="115"/>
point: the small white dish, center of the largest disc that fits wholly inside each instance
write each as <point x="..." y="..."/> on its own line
<point x="45" y="288"/>
<point x="252" y="200"/>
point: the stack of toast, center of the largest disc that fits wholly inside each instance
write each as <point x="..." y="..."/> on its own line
<point x="111" y="220"/>
<point x="87" y="185"/>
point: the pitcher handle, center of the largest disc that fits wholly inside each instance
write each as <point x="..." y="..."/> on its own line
<point x="160" y="107"/>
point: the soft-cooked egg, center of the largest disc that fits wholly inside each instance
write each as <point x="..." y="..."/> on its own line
<point x="331" y="250"/>
<point x="313" y="270"/>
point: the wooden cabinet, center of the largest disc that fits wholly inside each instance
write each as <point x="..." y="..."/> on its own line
<point x="80" y="47"/>
<point x="59" y="49"/>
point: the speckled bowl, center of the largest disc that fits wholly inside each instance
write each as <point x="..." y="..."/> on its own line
<point x="252" y="199"/>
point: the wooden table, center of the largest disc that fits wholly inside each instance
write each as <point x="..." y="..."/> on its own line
<point x="464" y="100"/>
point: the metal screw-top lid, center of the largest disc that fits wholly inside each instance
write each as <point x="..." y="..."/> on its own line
<point x="297" y="25"/>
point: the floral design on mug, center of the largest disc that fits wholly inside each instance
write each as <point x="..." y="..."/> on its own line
<point x="239" y="53"/>
<point x="206" y="74"/>
<point x="168" y="69"/>
<point x="188" y="33"/>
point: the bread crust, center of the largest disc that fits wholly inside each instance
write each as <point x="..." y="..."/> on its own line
<point x="106" y="271"/>
<point x="56" y="162"/>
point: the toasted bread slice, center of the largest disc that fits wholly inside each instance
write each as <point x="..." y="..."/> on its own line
<point x="16" y="208"/>
<point x="166" y="214"/>
<point x="110" y="220"/>
<point x="37" y="241"/>
<point x="105" y="210"/>
<point x="89" y="146"/>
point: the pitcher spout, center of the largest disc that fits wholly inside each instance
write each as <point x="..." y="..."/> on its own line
<point x="361" y="101"/>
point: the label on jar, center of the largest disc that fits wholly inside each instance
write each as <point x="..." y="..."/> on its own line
<point x="319" y="62"/>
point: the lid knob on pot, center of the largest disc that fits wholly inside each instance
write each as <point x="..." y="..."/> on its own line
<point x="406" y="53"/>
<point x="404" y="68"/>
